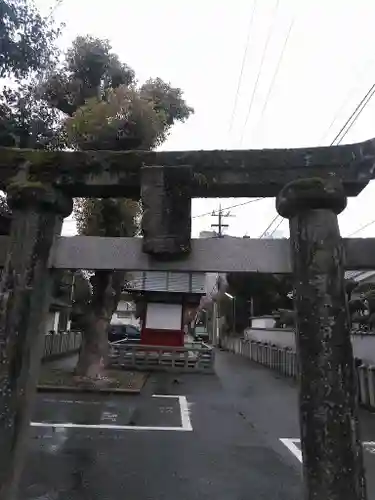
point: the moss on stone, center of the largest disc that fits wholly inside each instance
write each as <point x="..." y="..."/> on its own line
<point x="309" y="194"/>
<point x="200" y="179"/>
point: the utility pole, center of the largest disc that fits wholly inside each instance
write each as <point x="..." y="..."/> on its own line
<point x="220" y="216"/>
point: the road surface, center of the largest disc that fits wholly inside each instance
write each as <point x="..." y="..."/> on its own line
<point x="233" y="436"/>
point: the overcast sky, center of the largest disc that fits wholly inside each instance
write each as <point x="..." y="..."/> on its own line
<point x="327" y="67"/>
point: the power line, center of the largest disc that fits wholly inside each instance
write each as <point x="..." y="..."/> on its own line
<point x="351" y="116"/>
<point x="274" y="76"/>
<point x="365" y="226"/>
<point x="228" y="208"/>
<point x="260" y="69"/>
<point x="277" y="227"/>
<point x="357" y="110"/>
<point x="357" y="116"/>
<point x="346" y="100"/>
<point x="242" y="65"/>
<point x="269" y="226"/>
<point x="337" y="115"/>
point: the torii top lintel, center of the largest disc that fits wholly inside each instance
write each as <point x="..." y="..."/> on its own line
<point x="238" y="173"/>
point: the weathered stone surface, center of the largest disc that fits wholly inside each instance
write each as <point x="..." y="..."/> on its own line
<point x="331" y="447"/>
<point x="308" y="194"/>
<point x="236" y="173"/>
<point x="40" y="197"/>
<point x="207" y="255"/>
<point x="24" y="300"/>
<point x="166" y="203"/>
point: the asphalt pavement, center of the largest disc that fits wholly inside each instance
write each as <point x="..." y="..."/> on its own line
<point x="232" y="436"/>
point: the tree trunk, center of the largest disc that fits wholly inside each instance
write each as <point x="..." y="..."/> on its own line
<point x="107" y="287"/>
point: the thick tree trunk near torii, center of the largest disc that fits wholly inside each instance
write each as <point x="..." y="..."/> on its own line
<point x="93" y="356"/>
<point x="94" y="349"/>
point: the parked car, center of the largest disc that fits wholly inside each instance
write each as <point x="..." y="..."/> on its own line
<point x="126" y="333"/>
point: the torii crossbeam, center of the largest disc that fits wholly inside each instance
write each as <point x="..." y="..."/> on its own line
<point x="238" y="173"/>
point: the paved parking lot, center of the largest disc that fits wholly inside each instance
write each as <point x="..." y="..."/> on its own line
<point x="191" y="437"/>
<point x="115" y="450"/>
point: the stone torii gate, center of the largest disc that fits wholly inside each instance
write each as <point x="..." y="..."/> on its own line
<point x="311" y="186"/>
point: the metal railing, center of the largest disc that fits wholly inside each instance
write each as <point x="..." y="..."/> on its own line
<point x="284" y="360"/>
<point x="59" y="343"/>
<point x="195" y="358"/>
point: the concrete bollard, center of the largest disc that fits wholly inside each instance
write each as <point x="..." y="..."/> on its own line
<point x="274" y="357"/>
<point x="371" y="385"/>
<point x="294" y="362"/>
<point x="260" y="353"/>
<point x="264" y="357"/>
<point x="252" y="350"/>
<point x="287" y="363"/>
<point x="363" y="385"/>
<point x="256" y="350"/>
<point x="286" y="370"/>
<point x="238" y="346"/>
<point x="248" y="349"/>
<point x="282" y="360"/>
<point x="268" y="355"/>
<point x="278" y="359"/>
<point x="265" y="354"/>
<point x="272" y="349"/>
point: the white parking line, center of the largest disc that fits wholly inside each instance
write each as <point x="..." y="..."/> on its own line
<point x="184" y="412"/>
<point x="291" y="444"/>
<point x="184" y="409"/>
<point x="70" y="425"/>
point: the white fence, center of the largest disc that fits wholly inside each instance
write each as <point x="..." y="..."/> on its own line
<point x="363" y="342"/>
<point x="284" y="360"/>
<point x="56" y="344"/>
<point x="195" y="358"/>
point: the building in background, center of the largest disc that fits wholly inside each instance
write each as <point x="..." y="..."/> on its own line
<point x="167" y="303"/>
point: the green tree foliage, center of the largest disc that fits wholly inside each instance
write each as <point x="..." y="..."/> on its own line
<point x="268" y="291"/>
<point x="107" y="109"/>
<point x="26" y="39"/>
<point x="28" y="51"/>
<point x="90" y="101"/>
<point x="122" y="120"/>
<point x="89" y="70"/>
<point x="28" y="121"/>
